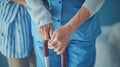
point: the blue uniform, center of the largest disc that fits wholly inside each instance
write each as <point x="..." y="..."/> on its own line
<point x="15" y="30"/>
<point x="81" y="50"/>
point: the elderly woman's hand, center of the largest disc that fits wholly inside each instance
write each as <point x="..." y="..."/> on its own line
<point x="46" y="31"/>
<point x="59" y="39"/>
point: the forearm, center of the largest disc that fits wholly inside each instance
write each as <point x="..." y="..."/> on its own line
<point x="20" y="1"/>
<point x="81" y="16"/>
<point x="89" y="8"/>
<point x="38" y="12"/>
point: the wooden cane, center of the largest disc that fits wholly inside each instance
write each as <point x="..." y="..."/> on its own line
<point x="46" y="53"/>
<point x="64" y="59"/>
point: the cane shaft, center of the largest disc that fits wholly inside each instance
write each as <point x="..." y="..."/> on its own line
<point x="46" y="53"/>
<point x="45" y="48"/>
<point x="63" y="59"/>
<point x="47" y="62"/>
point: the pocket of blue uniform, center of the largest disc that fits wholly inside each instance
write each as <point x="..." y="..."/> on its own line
<point x="93" y="29"/>
<point x="89" y="30"/>
<point x="80" y="52"/>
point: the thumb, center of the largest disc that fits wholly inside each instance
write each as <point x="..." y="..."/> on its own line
<point x="51" y="31"/>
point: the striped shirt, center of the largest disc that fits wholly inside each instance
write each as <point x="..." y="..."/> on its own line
<point x="15" y="36"/>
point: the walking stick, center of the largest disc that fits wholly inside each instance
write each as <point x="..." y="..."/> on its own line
<point x="46" y="54"/>
<point x="63" y="59"/>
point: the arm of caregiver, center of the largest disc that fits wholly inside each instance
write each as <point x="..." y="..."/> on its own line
<point x="60" y="37"/>
<point x="20" y="1"/>
<point x="40" y="15"/>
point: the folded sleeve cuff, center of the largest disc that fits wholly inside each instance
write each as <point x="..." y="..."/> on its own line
<point x="44" y="21"/>
<point x="93" y="6"/>
<point x="38" y="12"/>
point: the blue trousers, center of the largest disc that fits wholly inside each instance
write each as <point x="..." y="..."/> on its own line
<point x="79" y="54"/>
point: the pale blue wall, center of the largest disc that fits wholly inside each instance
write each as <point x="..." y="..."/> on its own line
<point x="110" y="12"/>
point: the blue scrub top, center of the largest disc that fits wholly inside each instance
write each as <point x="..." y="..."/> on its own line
<point x="62" y="11"/>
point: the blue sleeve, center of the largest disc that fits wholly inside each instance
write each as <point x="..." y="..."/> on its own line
<point x="38" y="12"/>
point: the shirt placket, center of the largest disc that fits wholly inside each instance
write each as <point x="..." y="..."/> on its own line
<point x="60" y="10"/>
<point x="2" y="36"/>
<point x="57" y="7"/>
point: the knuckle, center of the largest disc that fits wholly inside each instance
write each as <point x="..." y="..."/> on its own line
<point x="61" y="51"/>
<point x="52" y="45"/>
<point x="58" y="39"/>
<point x="46" y="29"/>
<point x="56" y="50"/>
<point x="41" y="29"/>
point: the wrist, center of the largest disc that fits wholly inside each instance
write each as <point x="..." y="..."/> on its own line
<point x="70" y="28"/>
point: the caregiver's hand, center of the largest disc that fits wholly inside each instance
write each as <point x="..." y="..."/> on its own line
<point x="59" y="39"/>
<point x="20" y="1"/>
<point x="46" y="31"/>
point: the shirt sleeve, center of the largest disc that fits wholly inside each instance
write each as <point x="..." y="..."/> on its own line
<point x="5" y="1"/>
<point x="93" y="5"/>
<point x="38" y="12"/>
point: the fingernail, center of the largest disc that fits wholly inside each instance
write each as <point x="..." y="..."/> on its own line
<point x="49" y="47"/>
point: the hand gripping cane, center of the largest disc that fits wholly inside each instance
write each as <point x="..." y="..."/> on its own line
<point x="46" y="55"/>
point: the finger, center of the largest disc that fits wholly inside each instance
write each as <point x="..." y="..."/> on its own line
<point x="46" y="34"/>
<point x="52" y="44"/>
<point x="61" y="51"/>
<point x="53" y="37"/>
<point x="40" y="32"/>
<point x="51" y="32"/>
<point x="55" y="46"/>
<point x="58" y="49"/>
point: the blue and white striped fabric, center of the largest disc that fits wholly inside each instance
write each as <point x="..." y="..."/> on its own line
<point x="15" y="30"/>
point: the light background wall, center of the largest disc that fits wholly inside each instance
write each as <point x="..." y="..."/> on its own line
<point x="108" y="43"/>
<point x="110" y="12"/>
